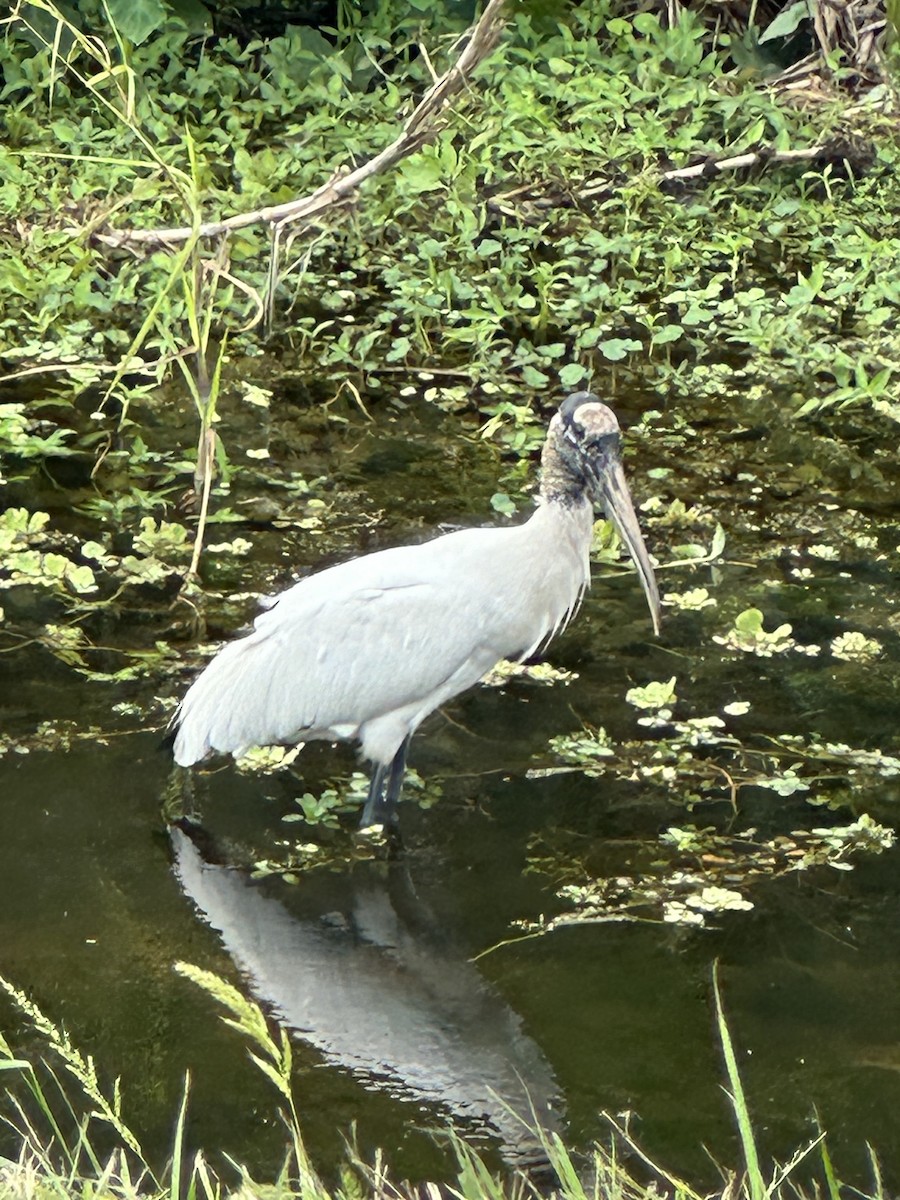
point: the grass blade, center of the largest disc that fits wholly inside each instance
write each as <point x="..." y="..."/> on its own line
<point x="755" y="1180"/>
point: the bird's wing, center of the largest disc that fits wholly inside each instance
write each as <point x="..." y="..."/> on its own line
<point x="388" y="632"/>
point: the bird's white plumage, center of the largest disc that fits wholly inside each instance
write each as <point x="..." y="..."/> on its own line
<point x="369" y="648"/>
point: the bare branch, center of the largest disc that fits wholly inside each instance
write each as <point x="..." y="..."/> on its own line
<point x="715" y="166"/>
<point x="539" y="197"/>
<point x="422" y="125"/>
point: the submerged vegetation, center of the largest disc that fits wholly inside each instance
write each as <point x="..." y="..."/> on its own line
<point x="655" y="204"/>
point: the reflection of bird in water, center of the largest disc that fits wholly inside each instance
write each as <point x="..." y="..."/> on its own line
<point x="376" y="990"/>
<point x="367" y="649"/>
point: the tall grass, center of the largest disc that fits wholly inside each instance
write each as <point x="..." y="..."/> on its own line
<point x="184" y="316"/>
<point x="59" y="1156"/>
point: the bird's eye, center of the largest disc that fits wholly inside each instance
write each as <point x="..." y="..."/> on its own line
<point x="604" y="443"/>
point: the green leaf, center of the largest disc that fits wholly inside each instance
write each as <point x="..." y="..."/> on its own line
<point x="655" y="695"/>
<point x="137" y="19"/>
<point x="646" y="23"/>
<point x="194" y="15"/>
<point x="535" y="378"/>
<point x="422" y="173"/>
<point x="55" y="566"/>
<point x="615" y="349"/>
<point x="696" y="315"/>
<point x="81" y="578"/>
<point x="786" y="22"/>
<point x="749" y="621"/>
<point x="666" y="334"/>
<point x="785" y="785"/>
<point x="398" y="350"/>
<point x="572" y="374"/>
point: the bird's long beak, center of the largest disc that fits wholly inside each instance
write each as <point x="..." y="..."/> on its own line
<point x="612" y="489"/>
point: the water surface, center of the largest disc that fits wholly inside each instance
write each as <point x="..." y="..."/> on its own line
<point x="95" y="909"/>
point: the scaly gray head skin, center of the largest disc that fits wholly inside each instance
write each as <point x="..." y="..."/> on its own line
<point x="582" y="456"/>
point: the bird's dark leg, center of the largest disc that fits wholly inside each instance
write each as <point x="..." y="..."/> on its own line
<point x="395" y="783"/>
<point x="375" y="798"/>
<point x="381" y="803"/>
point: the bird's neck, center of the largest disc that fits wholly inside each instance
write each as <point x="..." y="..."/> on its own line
<point x="559" y="533"/>
<point x="559" y="484"/>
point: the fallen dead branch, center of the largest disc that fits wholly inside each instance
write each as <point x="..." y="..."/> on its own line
<point x="854" y="153"/>
<point x="423" y="124"/>
<point x="755" y="158"/>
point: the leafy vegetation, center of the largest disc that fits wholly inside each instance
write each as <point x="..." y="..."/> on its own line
<point x="542" y="241"/>
<point x="540" y="263"/>
<point x="691" y="874"/>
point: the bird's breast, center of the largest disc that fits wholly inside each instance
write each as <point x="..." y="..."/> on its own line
<point x="522" y="584"/>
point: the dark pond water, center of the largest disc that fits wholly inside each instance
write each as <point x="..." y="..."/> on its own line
<point x="397" y="1028"/>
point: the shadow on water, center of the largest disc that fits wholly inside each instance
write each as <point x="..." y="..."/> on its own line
<point x="397" y="1030"/>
